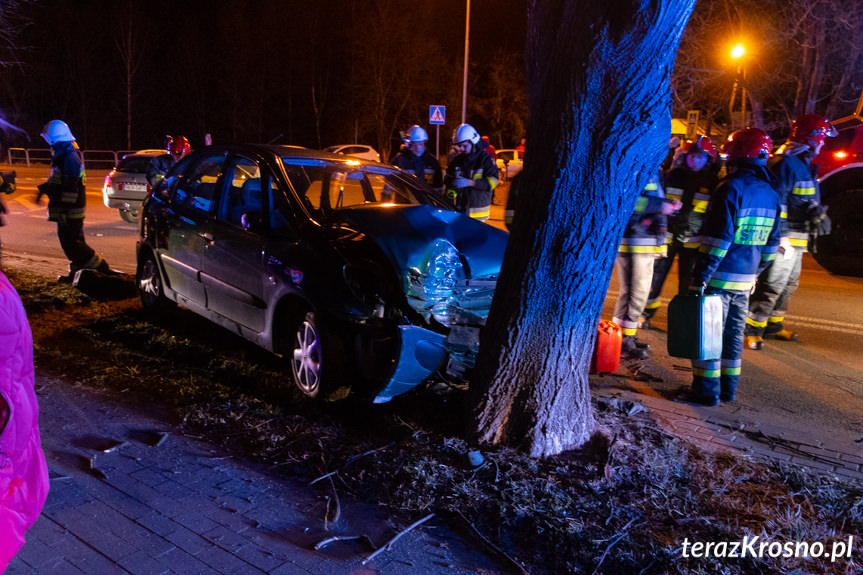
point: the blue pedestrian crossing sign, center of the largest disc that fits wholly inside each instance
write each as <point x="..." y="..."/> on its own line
<point x="437" y="114"/>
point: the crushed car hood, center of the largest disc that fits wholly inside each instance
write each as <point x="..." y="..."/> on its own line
<point x="406" y="234"/>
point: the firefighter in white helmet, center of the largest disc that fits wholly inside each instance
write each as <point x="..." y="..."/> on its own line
<point x="65" y="189"/>
<point x="472" y="175"/>
<point x="414" y="158"/>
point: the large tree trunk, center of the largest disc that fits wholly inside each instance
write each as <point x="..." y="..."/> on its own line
<point x="598" y="81"/>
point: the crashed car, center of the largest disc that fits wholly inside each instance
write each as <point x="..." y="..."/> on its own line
<point x="359" y="275"/>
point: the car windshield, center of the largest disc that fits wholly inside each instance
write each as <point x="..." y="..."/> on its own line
<point x="134" y="164"/>
<point x="326" y="187"/>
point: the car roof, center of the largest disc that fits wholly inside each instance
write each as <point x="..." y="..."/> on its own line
<point x="287" y="151"/>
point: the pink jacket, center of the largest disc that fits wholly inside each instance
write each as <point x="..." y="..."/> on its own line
<point x="23" y="473"/>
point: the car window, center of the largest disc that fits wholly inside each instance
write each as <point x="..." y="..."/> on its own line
<point x="198" y="185"/>
<point x="281" y="214"/>
<point x="134" y="164"/>
<point x="324" y="187"/>
<point x="243" y="196"/>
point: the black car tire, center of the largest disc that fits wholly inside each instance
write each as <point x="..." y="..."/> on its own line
<point x="130" y="216"/>
<point x="317" y="356"/>
<point x="150" y="286"/>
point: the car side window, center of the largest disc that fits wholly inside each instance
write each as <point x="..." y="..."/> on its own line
<point x="195" y="191"/>
<point x="242" y="200"/>
<point x="281" y="214"/>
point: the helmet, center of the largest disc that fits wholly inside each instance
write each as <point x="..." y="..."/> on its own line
<point x="416" y="134"/>
<point x="701" y="144"/>
<point x="811" y="129"/>
<point x="749" y="143"/>
<point x="465" y="133"/>
<point x="179" y="146"/>
<point x="57" y="131"/>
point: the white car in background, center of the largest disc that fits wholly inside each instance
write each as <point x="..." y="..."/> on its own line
<point x="126" y="186"/>
<point x="357" y="150"/>
<point x="508" y="163"/>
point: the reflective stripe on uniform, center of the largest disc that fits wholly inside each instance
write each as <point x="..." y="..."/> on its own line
<point x="673" y="193"/>
<point x="480" y="213"/>
<point x="805" y="188"/>
<point x="776" y="319"/>
<point x="706" y="368"/>
<point x="756" y="320"/>
<point x="731" y="366"/>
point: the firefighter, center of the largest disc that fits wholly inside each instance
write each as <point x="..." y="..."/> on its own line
<point x="175" y="149"/>
<point x="691" y="183"/>
<point x="414" y="158"/>
<point x="472" y="175"/>
<point x="65" y="189"/>
<point x="795" y="180"/>
<point x="739" y="238"/>
<point x="643" y="241"/>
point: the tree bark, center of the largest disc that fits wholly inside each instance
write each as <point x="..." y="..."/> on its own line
<point x="598" y="82"/>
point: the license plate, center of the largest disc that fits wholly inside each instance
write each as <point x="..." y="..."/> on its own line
<point x="135" y="188"/>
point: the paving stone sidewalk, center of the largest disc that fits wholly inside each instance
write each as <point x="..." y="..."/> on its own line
<point x="129" y="495"/>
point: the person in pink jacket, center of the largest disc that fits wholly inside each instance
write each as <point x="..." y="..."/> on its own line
<point x="23" y="472"/>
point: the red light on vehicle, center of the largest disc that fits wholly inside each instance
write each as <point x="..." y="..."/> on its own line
<point x="840" y="155"/>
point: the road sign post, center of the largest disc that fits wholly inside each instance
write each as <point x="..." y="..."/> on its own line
<point x="692" y="124"/>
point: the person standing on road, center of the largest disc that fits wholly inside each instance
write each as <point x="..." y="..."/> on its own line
<point x="642" y="242"/>
<point x="66" y="191"/>
<point x="691" y="183"/>
<point x="796" y="182"/>
<point x="414" y="158"/>
<point x="739" y="239"/>
<point x="472" y="175"/>
<point x="159" y="165"/>
<point x="23" y="472"/>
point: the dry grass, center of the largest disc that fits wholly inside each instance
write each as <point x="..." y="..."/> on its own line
<point x="623" y="504"/>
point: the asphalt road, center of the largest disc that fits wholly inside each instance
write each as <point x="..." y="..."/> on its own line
<point x="816" y="383"/>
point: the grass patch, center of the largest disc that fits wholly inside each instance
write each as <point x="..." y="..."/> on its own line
<point x="622" y="504"/>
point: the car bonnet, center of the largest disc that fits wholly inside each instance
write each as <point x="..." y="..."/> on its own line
<point x="406" y="234"/>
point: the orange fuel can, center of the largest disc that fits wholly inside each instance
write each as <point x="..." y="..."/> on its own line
<point x="606" y="353"/>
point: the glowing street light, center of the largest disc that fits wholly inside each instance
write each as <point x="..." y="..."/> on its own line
<point x="737" y="54"/>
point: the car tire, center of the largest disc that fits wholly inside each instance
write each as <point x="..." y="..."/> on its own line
<point x="317" y="357"/>
<point x="150" y="285"/>
<point x="130" y="216"/>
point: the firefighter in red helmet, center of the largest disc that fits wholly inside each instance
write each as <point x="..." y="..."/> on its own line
<point x="797" y="186"/>
<point x="176" y="148"/>
<point x="739" y="239"/>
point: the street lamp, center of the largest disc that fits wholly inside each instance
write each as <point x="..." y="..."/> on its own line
<point x="466" y="48"/>
<point x="737" y="54"/>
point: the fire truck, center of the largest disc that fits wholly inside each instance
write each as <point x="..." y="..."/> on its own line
<point x="840" y="175"/>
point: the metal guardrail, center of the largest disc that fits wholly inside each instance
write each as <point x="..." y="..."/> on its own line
<point x="92" y="158"/>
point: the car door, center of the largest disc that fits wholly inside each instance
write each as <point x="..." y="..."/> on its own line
<point x="190" y="215"/>
<point x="232" y="260"/>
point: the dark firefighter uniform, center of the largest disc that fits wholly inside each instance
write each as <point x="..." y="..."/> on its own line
<point x="425" y="167"/>
<point x="642" y="242"/>
<point x="7" y="186"/>
<point x="65" y="189"/>
<point x="795" y="182"/>
<point x="739" y="238"/>
<point x="158" y="167"/>
<point x="693" y="189"/>
<point x="480" y="167"/>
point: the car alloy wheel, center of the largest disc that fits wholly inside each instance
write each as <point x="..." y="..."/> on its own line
<point x="306" y="356"/>
<point x="150" y="285"/>
<point x="130" y="216"/>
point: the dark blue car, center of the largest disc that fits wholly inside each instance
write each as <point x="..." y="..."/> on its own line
<point x="358" y="274"/>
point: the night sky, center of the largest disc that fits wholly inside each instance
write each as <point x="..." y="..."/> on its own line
<point x="240" y="70"/>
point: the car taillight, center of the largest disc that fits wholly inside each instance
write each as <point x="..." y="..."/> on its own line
<point x="107" y="185"/>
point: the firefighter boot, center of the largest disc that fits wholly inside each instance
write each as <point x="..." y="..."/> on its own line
<point x="784" y="335"/>
<point x="629" y="348"/>
<point x="753" y="342"/>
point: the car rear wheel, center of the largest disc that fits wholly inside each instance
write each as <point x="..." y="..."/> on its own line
<point x="317" y="357"/>
<point x="150" y="285"/>
<point x="130" y="216"/>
